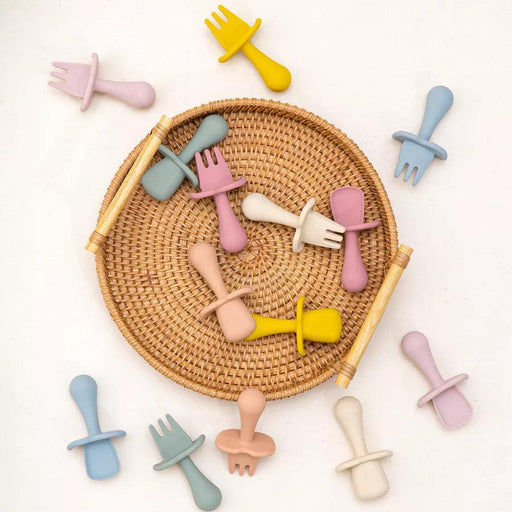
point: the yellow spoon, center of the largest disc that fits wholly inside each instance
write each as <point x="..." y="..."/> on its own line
<point x="234" y="34"/>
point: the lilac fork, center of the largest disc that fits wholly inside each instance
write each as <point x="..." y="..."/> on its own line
<point x="81" y="80"/>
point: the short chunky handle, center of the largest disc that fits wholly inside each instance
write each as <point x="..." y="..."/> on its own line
<point x="259" y="207"/>
<point x="136" y="94"/>
<point x="207" y="495"/>
<point x="349" y="413"/>
<point x="415" y="345"/>
<point x="276" y="76"/>
<point x="354" y="276"/>
<point x="232" y="235"/>
<point x="84" y="391"/>
<point x="251" y="404"/>
<point x="439" y="101"/>
<point x="213" y="129"/>
<point x="203" y="257"/>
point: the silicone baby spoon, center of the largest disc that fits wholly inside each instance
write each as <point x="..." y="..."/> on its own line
<point x="163" y="179"/>
<point x="81" y="80"/>
<point x="101" y="459"/>
<point x="449" y="403"/>
<point x="320" y="325"/>
<point x="347" y="205"/>
<point x="234" y="34"/>
<point x="215" y="180"/>
<point x="234" y="318"/>
<point x="244" y="446"/>
<point x="310" y="227"/>
<point x="368" y="478"/>
<point x="417" y="151"/>
<point x="175" y="446"/>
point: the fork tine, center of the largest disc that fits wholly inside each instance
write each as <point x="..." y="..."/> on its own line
<point x="227" y="13"/>
<point x="58" y="85"/>
<point x="409" y="172"/>
<point x="400" y="165"/>
<point x="163" y="426"/>
<point x="215" y="30"/>
<point x="251" y="468"/>
<point x="155" y="434"/>
<point x="59" y="74"/>
<point x="419" y="173"/>
<point x="199" y="161"/>
<point x="336" y="236"/>
<point x="218" y="19"/>
<point x="218" y="156"/>
<point x="241" y="469"/>
<point x="231" y="465"/>
<point x="330" y="244"/>
<point x="62" y="65"/>
<point x="209" y="159"/>
<point x="172" y="422"/>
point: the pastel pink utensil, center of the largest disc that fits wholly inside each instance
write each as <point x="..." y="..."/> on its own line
<point x="234" y="318"/>
<point x="347" y="205"/>
<point x="449" y="403"/>
<point x="81" y="80"/>
<point x="244" y="446"/>
<point x="216" y="180"/>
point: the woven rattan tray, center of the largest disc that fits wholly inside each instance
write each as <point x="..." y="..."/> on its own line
<point x="154" y="295"/>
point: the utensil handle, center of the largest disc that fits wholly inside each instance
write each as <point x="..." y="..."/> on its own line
<point x="251" y="404"/>
<point x="415" y="345"/>
<point x="84" y="390"/>
<point x="213" y="129"/>
<point x="259" y="207"/>
<point x="354" y="276"/>
<point x="203" y="257"/>
<point x="207" y="495"/>
<point x="276" y="76"/>
<point x="231" y="233"/>
<point x="136" y="94"/>
<point x="349" y="413"/>
<point x="439" y="101"/>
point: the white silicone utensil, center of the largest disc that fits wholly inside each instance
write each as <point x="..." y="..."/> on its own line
<point x="310" y="227"/>
<point x="368" y="477"/>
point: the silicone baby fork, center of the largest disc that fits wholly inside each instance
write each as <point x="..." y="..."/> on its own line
<point x="417" y="150"/>
<point x="245" y="447"/>
<point x="234" y="34"/>
<point x="101" y="459"/>
<point x="215" y="180"/>
<point x="175" y="446"/>
<point x="234" y="318"/>
<point x="347" y="205"/>
<point x="320" y="325"/>
<point x="310" y="227"/>
<point x="449" y="403"/>
<point x="81" y="80"/>
<point x="368" y="478"/>
<point x="163" y="179"/>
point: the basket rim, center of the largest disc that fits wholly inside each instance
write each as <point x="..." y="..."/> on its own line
<point x="328" y="130"/>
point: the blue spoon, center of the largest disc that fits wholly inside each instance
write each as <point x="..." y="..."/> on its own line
<point x="101" y="459"/>
<point x="417" y="150"/>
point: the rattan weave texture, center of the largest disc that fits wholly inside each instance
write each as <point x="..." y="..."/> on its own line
<point x="155" y="296"/>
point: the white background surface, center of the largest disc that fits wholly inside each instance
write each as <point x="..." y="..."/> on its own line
<point x="365" y="66"/>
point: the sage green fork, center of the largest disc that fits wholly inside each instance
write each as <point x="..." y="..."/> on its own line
<point x="175" y="447"/>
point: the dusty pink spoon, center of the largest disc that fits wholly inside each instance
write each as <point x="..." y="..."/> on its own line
<point x="449" y="403"/>
<point x="347" y="205"/>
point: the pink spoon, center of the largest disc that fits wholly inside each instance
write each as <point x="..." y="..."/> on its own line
<point x="347" y="205"/>
<point x="449" y="403"/>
